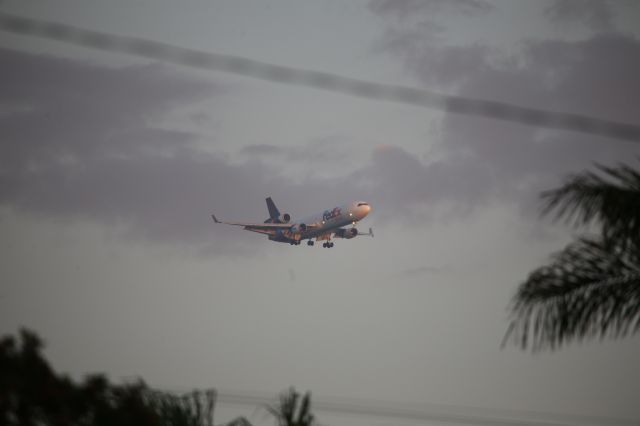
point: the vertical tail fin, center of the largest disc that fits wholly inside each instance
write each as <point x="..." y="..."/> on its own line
<point x="274" y="213"/>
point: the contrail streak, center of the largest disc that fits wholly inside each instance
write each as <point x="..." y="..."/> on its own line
<point x="318" y="80"/>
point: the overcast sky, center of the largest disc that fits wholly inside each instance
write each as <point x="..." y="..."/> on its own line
<point x="110" y="166"/>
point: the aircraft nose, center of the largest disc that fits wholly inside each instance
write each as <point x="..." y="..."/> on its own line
<point x="364" y="210"/>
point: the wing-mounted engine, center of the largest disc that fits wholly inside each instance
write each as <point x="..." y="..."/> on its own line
<point x="346" y="233"/>
<point x="297" y="228"/>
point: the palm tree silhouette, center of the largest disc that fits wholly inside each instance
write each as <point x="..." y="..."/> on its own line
<point x="289" y="412"/>
<point x="592" y="287"/>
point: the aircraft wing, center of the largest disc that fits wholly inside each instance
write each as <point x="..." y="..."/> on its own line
<point x="256" y="226"/>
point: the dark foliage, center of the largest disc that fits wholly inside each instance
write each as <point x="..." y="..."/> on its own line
<point x="610" y="198"/>
<point x="592" y="287"/>
<point x="31" y="393"/>
<point x="291" y="411"/>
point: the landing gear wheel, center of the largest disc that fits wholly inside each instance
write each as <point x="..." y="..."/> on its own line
<point x="309" y="243"/>
<point x="330" y="245"/>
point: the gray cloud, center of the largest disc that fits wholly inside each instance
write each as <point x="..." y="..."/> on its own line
<point x="422" y="271"/>
<point x="410" y="8"/>
<point x="419" y="49"/>
<point x="77" y="143"/>
<point x="328" y="149"/>
<point x="87" y="152"/>
<point x="400" y="183"/>
<point x="415" y="35"/>
<point x="263" y="150"/>
<point x="67" y="109"/>
<point x="596" y="14"/>
<point x="594" y="77"/>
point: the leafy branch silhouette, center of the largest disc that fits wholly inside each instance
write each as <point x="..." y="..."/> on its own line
<point x="592" y="287"/>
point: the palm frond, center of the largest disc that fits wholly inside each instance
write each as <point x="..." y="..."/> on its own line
<point x="289" y="406"/>
<point x="239" y="421"/>
<point x="591" y="288"/>
<point x="610" y="197"/>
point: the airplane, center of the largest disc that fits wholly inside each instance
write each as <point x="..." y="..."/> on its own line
<point x="322" y="227"/>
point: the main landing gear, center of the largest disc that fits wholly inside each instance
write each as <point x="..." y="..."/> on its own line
<point x="327" y="244"/>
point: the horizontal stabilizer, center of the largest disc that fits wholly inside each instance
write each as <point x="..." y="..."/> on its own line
<point x="370" y="233"/>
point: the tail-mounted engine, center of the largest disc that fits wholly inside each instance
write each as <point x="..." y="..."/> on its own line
<point x="285" y="218"/>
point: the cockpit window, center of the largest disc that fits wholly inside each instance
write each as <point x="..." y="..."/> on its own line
<point x="363" y="204"/>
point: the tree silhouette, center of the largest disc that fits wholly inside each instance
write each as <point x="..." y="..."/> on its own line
<point x="290" y="411"/>
<point x="592" y="287"/>
<point x="31" y="393"/>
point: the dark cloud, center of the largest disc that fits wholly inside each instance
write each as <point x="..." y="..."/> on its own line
<point x="77" y="143"/>
<point x="444" y="67"/>
<point x="596" y="14"/>
<point x="329" y="150"/>
<point x="410" y="8"/>
<point x="416" y="35"/>
<point x="595" y="77"/>
<point x="57" y="108"/>
<point x="87" y="152"/>
<point x="400" y="182"/>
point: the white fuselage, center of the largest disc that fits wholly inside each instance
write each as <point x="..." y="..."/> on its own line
<point x="332" y="219"/>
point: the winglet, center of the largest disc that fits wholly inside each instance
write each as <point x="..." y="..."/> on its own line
<point x="213" y="216"/>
